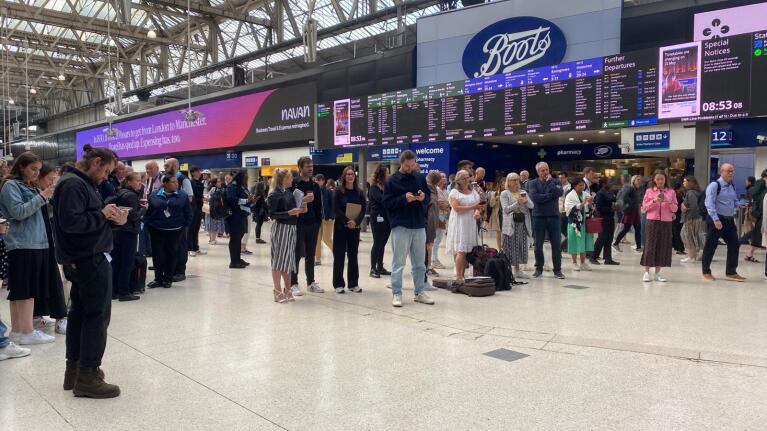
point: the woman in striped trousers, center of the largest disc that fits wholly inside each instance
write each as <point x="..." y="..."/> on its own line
<point x="284" y="211"/>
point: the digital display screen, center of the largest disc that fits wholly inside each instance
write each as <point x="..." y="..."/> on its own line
<point x="705" y="80"/>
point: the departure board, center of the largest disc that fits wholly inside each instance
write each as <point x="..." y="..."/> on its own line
<point x="342" y="123"/>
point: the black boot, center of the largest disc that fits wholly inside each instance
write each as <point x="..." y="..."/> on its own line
<point x="90" y="383"/>
<point x="70" y="375"/>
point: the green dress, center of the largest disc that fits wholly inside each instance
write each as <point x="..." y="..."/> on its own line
<point x="584" y="242"/>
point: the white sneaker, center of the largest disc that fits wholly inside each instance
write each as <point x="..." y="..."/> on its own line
<point x="437" y="265"/>
<point x="61" y="326"/>
<point x="396" y="300"/>
<point x="192" y="254"/>
<point x="43" y="323"/>
<point x="214" y="242"/>
<point x="296" y="290"/>
<point x="647" y="277"/>
<point x="617" y="248"/>
<point x="339" y="290"/>
<point x="660" y="278"/>
<point x="687" y="259"/>
<point x="585" y="266"/>
<point x="201" y="252"/>
<point x="13" y="351"/>
<point x="356" y="289"/>
<point x="428" y="287"/>
<point x="424" y="298"/>
<point x="315" y="288"/>
<point x="15" y="337"/>
<point x="576" y="266"/>
<point x="36" y="337"/>
<point x="521" y="275"/>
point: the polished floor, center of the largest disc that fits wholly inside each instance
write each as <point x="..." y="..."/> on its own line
<point x="606" y="353"/>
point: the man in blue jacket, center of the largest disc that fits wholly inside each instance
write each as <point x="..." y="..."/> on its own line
<point x="405" y="198"/>
<point x="545" y="192"/>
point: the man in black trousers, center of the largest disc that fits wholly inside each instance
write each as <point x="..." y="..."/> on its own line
<point x="197" y="201"/>
<point x="308" y="226"/>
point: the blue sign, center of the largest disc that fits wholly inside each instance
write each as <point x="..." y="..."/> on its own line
<point x="386" y="152"/>
<point x="579" y="152"/>
<point x="251" y="162"/>
<point x="432" y="157"/>
<point x="651" y="141"/>
<point x="721" y="138"/>
<point x="514" y="43"/>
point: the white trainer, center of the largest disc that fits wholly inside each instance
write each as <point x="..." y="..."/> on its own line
<point x="296" y="290"/>
<point x="646" y="278"/>
<point x="356" y="289"/>
<point x="437" y="265"/>
<point x="43" y="323"/>
<point x="339" y="290"/>
<point x="36" y="337"/>
<point x="687" y="259"/>
<point x="660" y="278"/>
<point x="585" y="266"/>
<point x="14" y="337"/>
<point x="61" y="326"/>
<point x="315" y="288"/>
<point x="13" y="351"/>
<point x="576" y="266"/>
<point x="201" y="252"/>
<point x="424" y="298"/>
<point x="428" y="287"/>
<point x="396" y="300"/>
<point x="192" y="254"/>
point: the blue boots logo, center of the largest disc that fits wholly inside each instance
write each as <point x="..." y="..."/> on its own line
<point x="515" y="43"/>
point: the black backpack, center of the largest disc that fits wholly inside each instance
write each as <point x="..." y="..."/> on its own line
<point x="219" y="208"/>
<point x="702" y="200"/>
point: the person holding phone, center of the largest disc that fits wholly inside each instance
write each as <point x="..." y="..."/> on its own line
<point x="659" y="204"/>
<point x="308" y="227"/>
<point x="126" y="238"/>
<point x="284" y="212"/>
<point x="462" y="237"/>
<point x="517" y="224"/>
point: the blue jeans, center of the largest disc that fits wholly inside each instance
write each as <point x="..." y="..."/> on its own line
<point x="408" y="242"/>
<point x="3" y="339"/>
<point x="552" y="226"/>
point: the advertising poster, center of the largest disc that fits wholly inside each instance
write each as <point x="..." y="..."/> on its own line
<point x="341" y="114"/>
<point x="679" y="86"/>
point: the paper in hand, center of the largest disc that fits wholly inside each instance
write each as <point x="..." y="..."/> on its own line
<point x="299" y="196"/>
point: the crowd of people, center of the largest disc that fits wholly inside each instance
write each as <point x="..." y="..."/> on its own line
<point x="90" y="226"/>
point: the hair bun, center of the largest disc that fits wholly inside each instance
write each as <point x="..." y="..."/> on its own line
<point x="87" y="147"/>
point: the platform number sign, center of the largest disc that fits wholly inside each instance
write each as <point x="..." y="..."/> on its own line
<point x="721" y="138"/>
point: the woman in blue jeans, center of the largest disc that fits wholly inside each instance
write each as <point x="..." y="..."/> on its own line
<point x="126" y="238"/>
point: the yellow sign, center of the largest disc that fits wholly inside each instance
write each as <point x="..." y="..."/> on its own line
<point x="344" y="158"/>
<point x="184" y="167"/>
<point x="268" y="171"/>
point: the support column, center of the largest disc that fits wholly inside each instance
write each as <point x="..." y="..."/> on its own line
<point x="362" y="157"/>
<point x="703" y="152"/>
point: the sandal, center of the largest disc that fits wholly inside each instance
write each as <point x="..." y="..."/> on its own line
<point x="279" y="296"/>
<point x="288" y="295"/>
<point x="751" y="259"/>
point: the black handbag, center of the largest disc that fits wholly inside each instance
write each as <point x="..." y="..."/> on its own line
<point x="518" y="217"/>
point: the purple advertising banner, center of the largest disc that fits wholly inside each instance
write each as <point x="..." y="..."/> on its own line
<point x="278" y="115"/>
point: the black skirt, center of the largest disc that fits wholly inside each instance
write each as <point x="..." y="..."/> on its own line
<point x="28" y="273"/>
<point x="658" y="244"/>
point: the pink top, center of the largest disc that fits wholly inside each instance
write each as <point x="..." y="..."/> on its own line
<point x="663" y="211"/>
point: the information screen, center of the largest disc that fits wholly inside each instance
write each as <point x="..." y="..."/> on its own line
<point x="342" y="122"/>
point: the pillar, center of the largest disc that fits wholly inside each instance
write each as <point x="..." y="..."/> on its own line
<point x="703" y="152"/>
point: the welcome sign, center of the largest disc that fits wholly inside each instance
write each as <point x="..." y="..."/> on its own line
<point x="514" y="43"/>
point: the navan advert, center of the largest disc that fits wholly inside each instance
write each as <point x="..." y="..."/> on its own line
<point x="278" y="115"/>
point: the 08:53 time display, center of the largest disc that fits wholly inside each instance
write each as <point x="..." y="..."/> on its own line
<point x="722" y="105"/>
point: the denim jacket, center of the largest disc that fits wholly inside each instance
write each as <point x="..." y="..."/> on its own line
<point x="22" y="205"/>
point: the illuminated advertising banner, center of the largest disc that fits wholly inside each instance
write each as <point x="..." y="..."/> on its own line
<point x="278" y="115"/>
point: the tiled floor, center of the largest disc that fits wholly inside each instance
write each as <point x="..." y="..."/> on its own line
<point x="215" y="353"/>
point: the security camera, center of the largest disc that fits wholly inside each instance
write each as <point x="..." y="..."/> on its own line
<point x="761" y="138"/>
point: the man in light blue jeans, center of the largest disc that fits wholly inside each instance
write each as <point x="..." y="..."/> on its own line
<point x="405" y="198"/>
<point x="8" y="349"/>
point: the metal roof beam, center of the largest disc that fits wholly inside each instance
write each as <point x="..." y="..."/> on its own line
<point x="211" y="11"/>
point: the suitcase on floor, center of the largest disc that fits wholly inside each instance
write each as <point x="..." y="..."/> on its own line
<point x="475" y="286"/>
<point x="443" y="283"/>
<point x="138" y="275"/>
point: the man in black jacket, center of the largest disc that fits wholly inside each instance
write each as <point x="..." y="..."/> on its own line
<point x="198" y="189"/>
<point x="405" y="198"/>
<point x="308" y="226"/>
<point x="83" y="234"/>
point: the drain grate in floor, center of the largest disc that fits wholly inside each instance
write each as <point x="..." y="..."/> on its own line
<point x="575" y="286"/>
<point x="506" y="355"/>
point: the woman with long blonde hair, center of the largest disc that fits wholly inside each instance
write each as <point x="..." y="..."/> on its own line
<point x="283" y="210"/>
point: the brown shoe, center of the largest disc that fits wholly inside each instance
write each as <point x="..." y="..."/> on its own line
<point x="70" y="375"/>
<point x="91" y="385"/>
<point x="708" y="277"/>
<point x="735" y="277"/>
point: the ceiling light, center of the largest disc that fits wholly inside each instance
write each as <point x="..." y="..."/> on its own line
<point x="571" y="139"/>
<point x="33" y="90"/>
<point x="151" y="34"/>
<point x="62" y="77"/>
<point x="11" y="102"/>
<point x="535" y="143"/>
<point x="616" y="133"/>
<point x="519" y="142"/>
<point x="603" y="131"/>
<point x="585" y="140"/>
<point x="540" y="136"/>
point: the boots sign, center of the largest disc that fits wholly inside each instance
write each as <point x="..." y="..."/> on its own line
<point x="515" y="43"/>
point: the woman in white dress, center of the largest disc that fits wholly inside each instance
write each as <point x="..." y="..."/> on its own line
<point x="462" y="224"/>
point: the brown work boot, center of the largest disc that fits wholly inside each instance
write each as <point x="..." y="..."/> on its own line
<point x="70" y="375"/>
<point x="91" y="384"/>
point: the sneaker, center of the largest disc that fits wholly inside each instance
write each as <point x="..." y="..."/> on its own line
<point x="260" y="241"/>
<point x="396" y="300"/>
<point x="735" y="277"/>
<point x="384" y="271"/>
<point x="339" y="290"/>
<point x="36" y="337"/>
<point x="521" y="275"/>
<point x="559" y="275"/>
<point x="356" y="289"/>
<point x="585" y="266"/>
<point x="432" y="272"/>
<point x="155" y="284"/>
<point x="646" y="278"/>
<point x="315" y="288"/>
<point x="179" y="278"/>
<point x="192" y="254"/>
<point x="43" y="323"/>
<point x="244" y="262"/>
<point x="594" y="261"/>
<point x="617" y="248"/>
<point x="61" y="326"/>
<point x="246" y="252"/>
<point x="388" y="286"/>
<point x="687" y="260"/>
<point x="13" y="351"/>
<point x="296" y="290"/>
<point x="437" y="265"/>
<point x="537" y="273"/>
<point x="708" y="277"/>
<point x="424" y="298"/>
<point x="214" y="242"/>
<point x="611" y="262"/>
<point x="660" y="278"/>
<point x="201" y="252"/>
<point x="374" y="274"/>
<point x="428" y="287"/>
<point x="15" y="337"/>
<point x="576" y="266"/>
